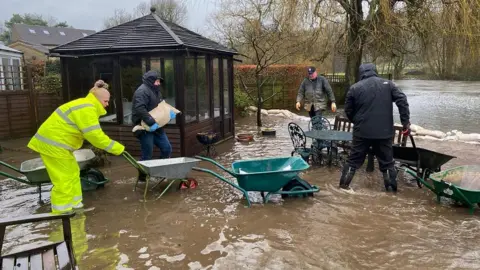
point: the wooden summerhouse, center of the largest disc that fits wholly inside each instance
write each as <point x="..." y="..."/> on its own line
<point x="198" y="75"/>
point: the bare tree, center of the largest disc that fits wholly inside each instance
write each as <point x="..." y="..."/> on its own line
<point x="264" y="32"/>
<point x="169" y="10"/>
<point x="119" y="16"/>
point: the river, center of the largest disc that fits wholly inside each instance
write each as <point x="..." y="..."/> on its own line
<point x="443" y="105"/>
<point x="210" y="228"/>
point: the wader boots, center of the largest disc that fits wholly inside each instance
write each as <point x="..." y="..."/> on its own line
<point x="347" y="176"/>
<point x="390" y="179"/>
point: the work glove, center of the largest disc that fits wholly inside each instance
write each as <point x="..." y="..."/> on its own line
<point x="406" y="130"/>
<point x="298" y="106"/>
<point x="154" y="127"/>
<point x="334" y="107"/>
<point x="172" y="114"/>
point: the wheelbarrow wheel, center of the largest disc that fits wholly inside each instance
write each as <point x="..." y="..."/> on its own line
<point x="92" y="176"/>
<point x="297" y="185"/>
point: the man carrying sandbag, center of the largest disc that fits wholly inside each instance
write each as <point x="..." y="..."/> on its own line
<point x="146" y="98"/>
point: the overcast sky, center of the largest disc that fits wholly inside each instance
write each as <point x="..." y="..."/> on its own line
<point x="90" y="14"/>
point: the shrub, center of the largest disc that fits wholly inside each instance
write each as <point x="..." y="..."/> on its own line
<point x="51" y="83"/>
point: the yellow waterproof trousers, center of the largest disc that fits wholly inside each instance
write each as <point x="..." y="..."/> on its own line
<point x="79" y="235"/>
<point x="66" y="193"/>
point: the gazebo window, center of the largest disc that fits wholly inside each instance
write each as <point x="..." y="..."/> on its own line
<point x="190" y="90"/>
<point x="216" y="87"/>
<point x="203" y="93"/>
<point x="164" y="67"/>
<point x="131" y="70"/>
<point x="225" y="87"/>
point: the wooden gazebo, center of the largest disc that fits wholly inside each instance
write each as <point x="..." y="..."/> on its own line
<point x="198" y="75"/>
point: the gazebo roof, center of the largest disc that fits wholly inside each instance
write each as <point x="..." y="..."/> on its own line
<point x="147" y="32"/>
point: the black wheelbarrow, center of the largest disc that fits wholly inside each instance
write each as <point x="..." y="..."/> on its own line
<point x="422" y="161"/>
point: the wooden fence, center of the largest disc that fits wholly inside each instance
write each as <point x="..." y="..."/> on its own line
<point x="286" y="93"/>
<point x="22" y="109"/>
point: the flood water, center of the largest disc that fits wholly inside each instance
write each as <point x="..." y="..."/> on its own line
<point x="210" y="228"/>
<point x="444" y="105"/>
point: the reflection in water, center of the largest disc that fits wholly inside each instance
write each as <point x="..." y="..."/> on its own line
<point x="443" y="105"/>
<point x="210" y="228"/>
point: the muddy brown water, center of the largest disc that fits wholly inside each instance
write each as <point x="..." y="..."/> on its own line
<point x="210" y="228"/>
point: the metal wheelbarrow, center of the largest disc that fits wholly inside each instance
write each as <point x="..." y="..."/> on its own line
<point x="171" y="169"/>
<point x="36" y="174"/>
<point x="278" y="175"/>
<point x="461" y="184"/>
<point x="422" y="161"/>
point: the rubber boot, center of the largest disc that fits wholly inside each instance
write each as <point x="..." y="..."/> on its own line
<point x="347" y="176"/>
<point x="390" y="179"/>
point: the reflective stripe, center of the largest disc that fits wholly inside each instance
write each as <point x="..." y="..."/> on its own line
<point x="62" y="207"/>
<point x="65" y="118"/>
<point x="78" y="107"/>
<point x="77" y="198"/>
<point x="110" y="146"/>
<point x="85" y="130"/>
<point x="51" y="142"/>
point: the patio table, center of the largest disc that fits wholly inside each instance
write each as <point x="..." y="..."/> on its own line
<point x="329" y="135"/>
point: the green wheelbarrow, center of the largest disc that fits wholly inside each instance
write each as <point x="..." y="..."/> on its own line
<point x="36" y="174"/>
<point x="278" y="175"/>
<point x="461" y="184"/>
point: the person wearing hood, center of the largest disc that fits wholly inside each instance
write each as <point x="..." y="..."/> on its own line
<point x="146" y="98"/>
<point x="62" y="133"/>
<point x="369" y="106"/>
<point x="314" y="92"/>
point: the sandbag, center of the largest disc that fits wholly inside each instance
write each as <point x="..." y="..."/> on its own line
<point x="161" y="114"/>
<point x="252" y="108"/>
<point x="469" y="137"/>
<point x="434" y="133"/>
<point x="264" y="112"/>
<point x="274" y="111"/>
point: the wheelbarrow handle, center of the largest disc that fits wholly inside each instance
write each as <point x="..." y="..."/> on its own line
<point x="413" y="141"/>
<point x="223" y="179"/>
<point x="134" y="162"/>
<point x="10" y="166"/>
<point x="217" y="164"/>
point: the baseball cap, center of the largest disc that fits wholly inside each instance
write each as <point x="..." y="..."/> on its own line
<point x="311" y="70"/>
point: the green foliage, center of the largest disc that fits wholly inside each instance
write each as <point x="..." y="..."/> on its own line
<point x="50" y="83"/>
<point x="52" y="66"/>
<point x="241" y="99"/>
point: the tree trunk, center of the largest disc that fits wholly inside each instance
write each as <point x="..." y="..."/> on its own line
<point x="259" y="100"/>
<point x="354" y="44"/>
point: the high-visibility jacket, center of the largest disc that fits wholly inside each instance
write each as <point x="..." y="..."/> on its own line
<point x="66" y="128"/>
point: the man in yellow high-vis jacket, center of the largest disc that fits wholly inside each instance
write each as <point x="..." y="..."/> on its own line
<point x="61" y="134"/>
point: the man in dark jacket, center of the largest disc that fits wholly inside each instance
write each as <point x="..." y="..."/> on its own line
<point x="314" y="91"/>
<point x="369" y="106"/>
<point x="146" y="98"/>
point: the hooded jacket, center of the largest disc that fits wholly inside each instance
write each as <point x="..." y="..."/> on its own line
<point x="369" y="105"/>
<point x="146" y="98"/>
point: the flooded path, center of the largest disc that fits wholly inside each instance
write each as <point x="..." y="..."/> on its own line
<point x="210" y="228"/>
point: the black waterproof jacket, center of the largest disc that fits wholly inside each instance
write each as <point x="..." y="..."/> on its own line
<point x="146" y="98"/>
<point x="369" y="105"/>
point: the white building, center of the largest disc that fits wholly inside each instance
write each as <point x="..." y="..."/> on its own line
<point x="10" y="68"/>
